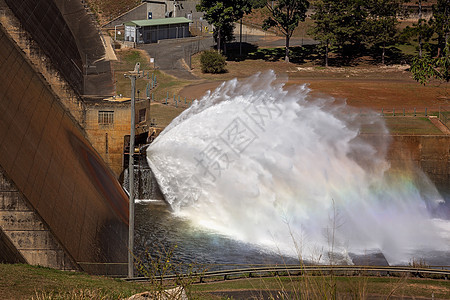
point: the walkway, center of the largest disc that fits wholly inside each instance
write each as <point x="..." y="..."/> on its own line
<point x="436" y="122"/>
<point x="173" y="56"/>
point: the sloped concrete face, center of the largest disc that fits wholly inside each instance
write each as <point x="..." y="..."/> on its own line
<point x="43" y="20"/>
<point x="67" y="34"/>
<point x="26" y="233"/>
<point x="44" y="152"/>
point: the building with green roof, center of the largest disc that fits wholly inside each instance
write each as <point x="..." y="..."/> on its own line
<point x="153" y="30"/>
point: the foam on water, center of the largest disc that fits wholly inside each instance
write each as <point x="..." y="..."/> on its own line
<point x="271" y="165"/>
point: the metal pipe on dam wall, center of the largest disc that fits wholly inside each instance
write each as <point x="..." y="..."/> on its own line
<point x="45" y="153"/>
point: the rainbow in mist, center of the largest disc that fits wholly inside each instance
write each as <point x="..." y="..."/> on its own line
<point x="275" y="167"/>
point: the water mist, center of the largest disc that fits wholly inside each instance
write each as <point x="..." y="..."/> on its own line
<point x="274" y="166"/>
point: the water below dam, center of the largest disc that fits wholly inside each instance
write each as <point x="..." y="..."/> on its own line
<point x="158" y="230"/>
<point x="257" y="173"/>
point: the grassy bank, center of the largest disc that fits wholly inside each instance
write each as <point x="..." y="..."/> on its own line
<point x="29" y="282"/>
<point x="26" y="282"/>
<point x="325" y="287"/>
<point x="166" y="84"/>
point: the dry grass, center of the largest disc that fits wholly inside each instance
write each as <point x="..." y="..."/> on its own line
<point x="106" y="10"/>
<point x="315" y="287"/>
<point x="164" y="114"/>
<point x="27" y="282"/>
<point x="166" y="84"/>
<point x="364" y="86"/>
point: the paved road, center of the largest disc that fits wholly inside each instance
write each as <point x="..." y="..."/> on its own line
<point x="173" y="56"/>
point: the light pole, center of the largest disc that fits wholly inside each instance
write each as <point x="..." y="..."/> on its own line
<point x="132" y="75"/>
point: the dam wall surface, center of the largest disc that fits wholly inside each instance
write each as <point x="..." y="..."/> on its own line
<point x="43" y="20"/>
<point x="45" y="155"/>
<point x="107" y="140"/>
<point x="68" y="35"/>
<point x="42" y="63"/>
<point x="26" y="234"/>
<point x="431" y="153"/>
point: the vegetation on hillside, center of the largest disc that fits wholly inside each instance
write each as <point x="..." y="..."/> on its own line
<point x="107" y="10"/>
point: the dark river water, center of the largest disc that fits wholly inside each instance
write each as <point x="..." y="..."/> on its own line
<point x="158" y="231"/>
<point x="164" y="236"/>
<point x="161" y="235"/>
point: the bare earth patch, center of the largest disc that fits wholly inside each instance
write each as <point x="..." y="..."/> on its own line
<point x="375" y="87"/>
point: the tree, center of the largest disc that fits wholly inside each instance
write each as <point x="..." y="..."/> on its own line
<point x="325" y="20"/>
<point x="420" y="29"/>
<point x="222" y="15"/>
<point x="212" y="62"/>
<point x="382" y="21"/>
<point x="440" y="23"/>
<point x="339" y="23"/>
<point x="286" y="14"/>
<point x="426" y="68"/>
<point x="349" y="31"/>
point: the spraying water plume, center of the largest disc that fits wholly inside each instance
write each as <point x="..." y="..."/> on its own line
<point x="267" y="164"/>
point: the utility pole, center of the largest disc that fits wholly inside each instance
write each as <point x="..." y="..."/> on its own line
<point x="132" y="75"/>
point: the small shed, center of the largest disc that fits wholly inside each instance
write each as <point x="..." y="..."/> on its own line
<point x="153" y="30"/>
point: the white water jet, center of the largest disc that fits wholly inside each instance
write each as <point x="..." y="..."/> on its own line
<point x="269" y="165"/>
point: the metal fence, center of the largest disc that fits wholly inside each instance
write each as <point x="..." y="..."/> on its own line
<point x="196" y="47"/>
<point x="442" y="112"/>
<point x="444" y="116"/>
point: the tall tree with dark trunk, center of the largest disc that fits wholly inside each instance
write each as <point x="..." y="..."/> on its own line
<point x="325" y="21"/>
<point x="382" y="21"/>
<point x="421" y="30"/>
<point x="286" y="14"/>
<point x="441" y="23"/>
<point x="222" y="15"/>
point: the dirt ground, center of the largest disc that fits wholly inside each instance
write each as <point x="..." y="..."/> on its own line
<point x="375" y="87"/>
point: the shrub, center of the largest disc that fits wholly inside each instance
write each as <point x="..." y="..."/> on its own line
<point x="213" y="62"/>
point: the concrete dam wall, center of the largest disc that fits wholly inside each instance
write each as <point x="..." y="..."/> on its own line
<point x="67" y="34"/>
<point x="431" y="153"/>
<point x="47" y="161"/>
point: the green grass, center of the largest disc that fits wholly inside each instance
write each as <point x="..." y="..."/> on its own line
<point x="127" y="59"/>
<point x="411" y="125"/>
<point x="407" y="49"/>
<point x="407" y="125"/>
<point x="164" y="114"/>
<point x="28" y="282"/>
<point x="25" y="281"/>
<point x="317" y="287"/>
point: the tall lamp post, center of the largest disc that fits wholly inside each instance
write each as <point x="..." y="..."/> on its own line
<point x="132" y="75"/>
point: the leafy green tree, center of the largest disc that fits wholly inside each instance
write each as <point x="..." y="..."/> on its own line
<point x="440" y="23"/>
<point x="381" y="23"/>
<point x="340" y="24"/>
<point x="222" y="15"/>
<point x="286" y="14"/>
<point x="421" y="30"/>
<point x="426" y="68"/>
<point x="325" y="20"/>
<point x="213" y="62"/>
<point x="349" y="31"/>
